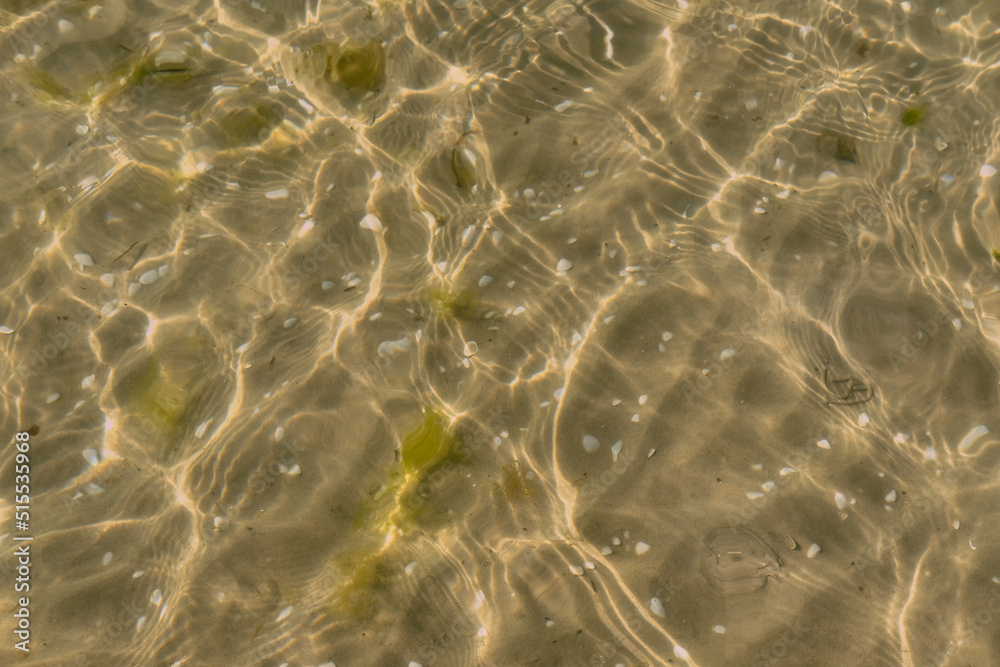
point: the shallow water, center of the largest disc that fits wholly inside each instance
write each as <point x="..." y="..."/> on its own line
<point x="493" y="333"/>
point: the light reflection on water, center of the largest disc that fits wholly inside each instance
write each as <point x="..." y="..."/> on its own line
<point x="491" y="333"/>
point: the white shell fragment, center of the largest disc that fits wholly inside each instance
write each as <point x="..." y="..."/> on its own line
<point x="371" y="222"/>
<point x="656" y="606"/>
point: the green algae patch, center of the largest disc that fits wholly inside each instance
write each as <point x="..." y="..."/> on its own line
<point x="996" y="254"/>
<point x="359" y="68"/>
<point x="456" y="305"/>
<point x="152" y="395"/>
<point x="396" y="504"/>
<point x="389" y="515"/>
<point x="44" y="82"/>
<point x="369" y="576"/>
<point x="427" y="445"/>
<point x="913" y="116"/>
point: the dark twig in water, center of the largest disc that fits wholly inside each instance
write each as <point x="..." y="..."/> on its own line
<point x="847" y="391"/>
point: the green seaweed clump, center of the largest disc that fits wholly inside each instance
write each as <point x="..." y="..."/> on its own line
<point x="390" y="512"/>
<point x="461" y="305"/>
<point x="155" y="396"/>
<point x="996" y="254"/>
<point x="423" y="449"/>
<point x="359" y="68"/>
<point x="913" y="116"/>
<point x="426" y="446"/>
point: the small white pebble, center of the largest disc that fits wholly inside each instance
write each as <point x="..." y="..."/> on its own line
<point x="471" y="347"/>
<point x="667" y="336"/>
<point x="642" y="399"/>
<point x="52" y="398"/>
<point x="589" y="565"/>
<point x="727" y="353"/>
<point x="6" y="330"/>
<point x="617" y="541"/>
<point x="840" y="500"/>
<point x="163" y="270"/>
<point x="279" y="434"/>
<point x="564" y="265"/>
<point x="149" y="277"/>
<point x="759" y="210"/>
<point x="107" y="280"/>
<point x="616" y="450"/>
<point x="786" y="470"/>
<point x="485" y="280"/>
<point x="616" y="401"/>
<point x="284" y="614"/>
<point x="290" y="322"/>
<point x="656" y="606"/>
<point x="641" y="548"/>
<point x="576" y="569"/>
<point x="371" y="222"/>
<point x="91" y="456"/>
<point x="863" y="419"/>
<point x="84" y="259"/>
<point x="987" y="171"/>
<point x="719" y="629"/>
<point x="823" y="444"/>
<point x="280" y="193"/>
<point x="681" y="653"/>
<point x="606" y="551"/>
<point x="562" y="106"/>
<point x="156" y="597"/>
<point x="957" y="524"/>
<point x="87" y="381"/>
<point x="813" y="551"/>
<point x="590" y="443"/>
<point x="891" y="496"/>
<point x="107" y="558"/>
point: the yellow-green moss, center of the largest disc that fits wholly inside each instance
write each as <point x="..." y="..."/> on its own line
<point x="389" y="513"/>
<point x="358" y="68"/>
<point x="153" y="396"/>
<point x="427" y="445"/>
<point x="913" y="116"/>
<point x="457" y="305"/>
